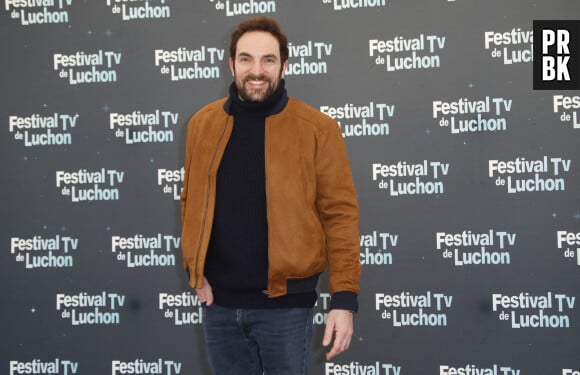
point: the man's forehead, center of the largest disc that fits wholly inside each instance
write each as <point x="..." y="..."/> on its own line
<point x="258" y="43"/>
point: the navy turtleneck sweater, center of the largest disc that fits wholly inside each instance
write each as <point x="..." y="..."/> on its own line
<point x="237" y="260"/>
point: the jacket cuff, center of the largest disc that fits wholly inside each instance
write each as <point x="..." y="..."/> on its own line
<point x="344" y="301"/>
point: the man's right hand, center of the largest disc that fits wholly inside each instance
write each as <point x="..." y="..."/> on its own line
<point x="205" y="294"/>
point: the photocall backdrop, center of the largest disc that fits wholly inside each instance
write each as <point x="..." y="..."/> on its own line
<point x="467" y="178"/>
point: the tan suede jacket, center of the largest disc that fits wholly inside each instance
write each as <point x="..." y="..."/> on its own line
<point x="312" y="207"/>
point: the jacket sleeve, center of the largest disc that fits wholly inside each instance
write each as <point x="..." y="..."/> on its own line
<point x="185" y="189"/>
<point x="337" y="205"/>
<point x="187" y="165"/>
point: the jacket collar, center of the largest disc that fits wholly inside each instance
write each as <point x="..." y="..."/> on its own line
<point x="277" y="107"/>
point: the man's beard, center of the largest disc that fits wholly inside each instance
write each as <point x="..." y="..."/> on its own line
<point x="251" y="96"/>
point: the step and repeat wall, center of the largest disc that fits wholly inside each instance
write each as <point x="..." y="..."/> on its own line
<point x="468" y="181"/>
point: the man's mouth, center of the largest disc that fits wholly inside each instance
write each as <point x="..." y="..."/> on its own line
<point x="256" y="83"/>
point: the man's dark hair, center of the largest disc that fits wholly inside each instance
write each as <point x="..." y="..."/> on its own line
<point x="260" y="24"/>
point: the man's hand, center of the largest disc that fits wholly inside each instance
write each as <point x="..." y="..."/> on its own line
<point x="339" y="324"/>
<point x="205" y="294"/>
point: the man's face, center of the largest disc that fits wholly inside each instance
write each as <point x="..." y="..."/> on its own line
<point x="257" y="67"/>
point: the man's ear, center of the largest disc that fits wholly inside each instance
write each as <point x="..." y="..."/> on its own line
<point x="284" y="67"/>
<point x="232" y="65"/>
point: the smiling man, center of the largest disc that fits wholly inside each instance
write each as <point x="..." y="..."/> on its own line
<point x="268" y="203"/>
<point x="257" y="69"/>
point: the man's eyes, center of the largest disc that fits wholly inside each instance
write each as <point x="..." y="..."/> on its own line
<point x="270" y="60"/>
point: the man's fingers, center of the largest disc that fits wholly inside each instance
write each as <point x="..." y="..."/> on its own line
<point x="340" y="324"/>
<point x="209" y="297"/>
<point x="328" y="332"/>
<point x="341" y="344"/>
<point x="205" y="294"/>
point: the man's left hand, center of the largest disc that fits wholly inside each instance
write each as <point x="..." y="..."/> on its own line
<point x="340" y="324"/>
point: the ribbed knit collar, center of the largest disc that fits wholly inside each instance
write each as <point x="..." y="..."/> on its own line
<point x="273" y="105"/>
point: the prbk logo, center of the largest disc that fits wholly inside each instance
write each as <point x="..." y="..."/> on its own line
<point x="557" y="55"/>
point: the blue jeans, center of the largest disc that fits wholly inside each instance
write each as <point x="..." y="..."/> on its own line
<point x="258" y="341"/>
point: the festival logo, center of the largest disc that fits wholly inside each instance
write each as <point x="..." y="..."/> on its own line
<point x="87" y="67"/>
<point x="494" y="369"/>
<point x="357" y="368"/>
<point x="89" y="186"/>
<point x="406" y="178"/>
<point x="510" y="47"/>
<point x="471" y="248"/>
<point x="473" y="116"/>
<point x="91" y="309"/>
<point x="171" y="181"/>
<point x="525" y="310"/>
<point x="141" y="367"/>
<point x="567" y="107"/>
<point x="408" y="53"/>
<point x="146" y="251"/>
<point x="181" y="309"/>
<point x="38" y="130"/>
<point x="139" y="127"/>
<point x="190" y="64"/>
<point x="39" y="12"/>
<point x="405" y="309"/>
<point x="44" y="252"/>
<point x="56" y="366"/>
<point x="521" y="175"/>
<point x="140" y="9"/>
<point x="308" y="58"/>
<point x="244" y="8"/>
<point x="362" y="120"/>
<point x="346" y="5"/>
<point x="376" y="248"/>
<point x="569" y="243"/>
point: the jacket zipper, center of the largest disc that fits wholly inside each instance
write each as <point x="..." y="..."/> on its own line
<point x="267" y="291"/>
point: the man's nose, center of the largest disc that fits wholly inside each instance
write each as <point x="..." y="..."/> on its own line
<point x="256" y="68"/>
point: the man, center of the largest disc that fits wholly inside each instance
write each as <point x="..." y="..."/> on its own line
<point x="268" y="202"/>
